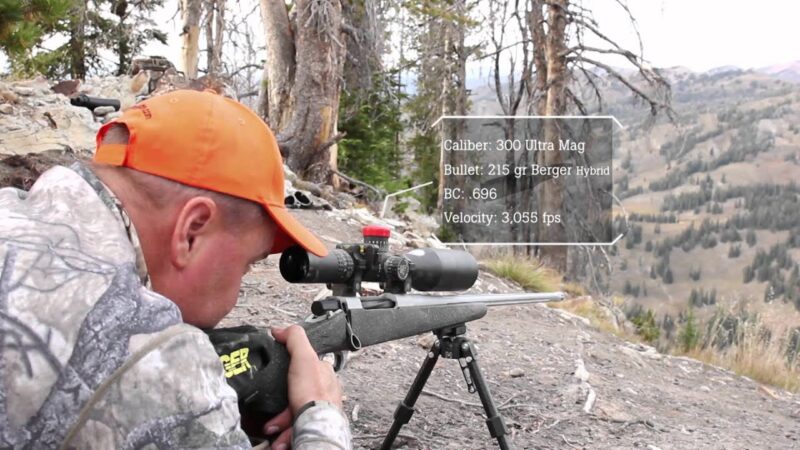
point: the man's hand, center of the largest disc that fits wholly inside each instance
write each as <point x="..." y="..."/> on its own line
<point x="309" y="380"/>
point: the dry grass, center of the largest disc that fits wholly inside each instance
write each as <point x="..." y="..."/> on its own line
<point x="574" y="289"/>
<point x="763" y="366"/>
<point x="753" y="356"/>
<point x="599" y="316"/>
<point x="527" y="272"/>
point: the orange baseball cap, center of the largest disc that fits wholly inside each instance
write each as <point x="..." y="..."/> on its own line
<point x="208" y="141"/>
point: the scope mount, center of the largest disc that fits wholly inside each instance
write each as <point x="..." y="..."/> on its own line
<point x="395" y="272"/>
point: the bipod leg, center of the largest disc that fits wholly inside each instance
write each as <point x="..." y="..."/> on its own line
<point x="494" y="421"/>
<point x="405" y="409"/>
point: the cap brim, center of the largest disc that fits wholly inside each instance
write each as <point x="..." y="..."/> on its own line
<point x="292" y="232"/>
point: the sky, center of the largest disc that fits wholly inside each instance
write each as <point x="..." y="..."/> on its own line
<point x="704" y="34"/>
<point x="697" y="34"/>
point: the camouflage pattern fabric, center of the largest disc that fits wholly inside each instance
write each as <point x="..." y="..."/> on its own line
<point x="89" y="357"/>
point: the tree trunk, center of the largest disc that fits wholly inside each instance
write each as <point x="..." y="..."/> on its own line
<point x="77" y="49"/>
<point x="364" y="38"/>
<point x="536" y="90"/>
<point x="461" y="103"/>
<point x="219" y="31"/>
<point x="552" y="191"/>
<point x="191" y="11"/>
<point x="274" y="99"/>
<point x="447" y="125"/>
<point x="215" y="28"/>
<point x="305" y="140"/>
<point x="537" y="96"/>
<point x="120" y="9"/>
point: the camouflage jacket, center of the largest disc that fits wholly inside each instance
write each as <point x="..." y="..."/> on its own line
<point x="91" y="358"/>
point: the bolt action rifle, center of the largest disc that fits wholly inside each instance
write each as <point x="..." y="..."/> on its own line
<point x="256" y="365"/>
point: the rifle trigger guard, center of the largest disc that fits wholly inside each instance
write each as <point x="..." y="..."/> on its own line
<point x="340" y="360"/>
<point x="353" y="340"/>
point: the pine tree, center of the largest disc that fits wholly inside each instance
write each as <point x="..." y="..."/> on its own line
<point x="646" y="326"/>
<point x="370" y="150"/>
<point x="694" y="298"/>
<point x="668" y="277"/>
<point x="90" y="28"/>
<point x="23" y="24"/>
<point x="750" y="238"/>
<point x="689" y="336"/>
<point x="627" y="289"/>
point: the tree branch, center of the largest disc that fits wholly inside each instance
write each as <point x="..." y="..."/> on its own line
<point x="655" y="105"/>
<point x="629" y="55"/>
<point x="589" y="77"/>
<point x="359" y="183"/>
<point x="578" y="103"/>
<point x="326" y="145"/>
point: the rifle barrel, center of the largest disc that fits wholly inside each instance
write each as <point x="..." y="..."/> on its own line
<point x="387" y="300"/>
<point x="487" y="299"/>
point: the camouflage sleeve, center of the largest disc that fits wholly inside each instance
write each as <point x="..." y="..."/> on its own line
<point x="321" y="427"/>
<point x="174" y="396"/>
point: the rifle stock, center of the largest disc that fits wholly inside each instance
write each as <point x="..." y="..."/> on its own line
<point x="347" y="324"/>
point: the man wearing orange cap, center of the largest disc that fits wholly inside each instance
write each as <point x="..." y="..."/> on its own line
<point x="108" y="273"/>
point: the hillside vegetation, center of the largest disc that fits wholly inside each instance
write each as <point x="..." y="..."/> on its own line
<point x="710" y="264"/>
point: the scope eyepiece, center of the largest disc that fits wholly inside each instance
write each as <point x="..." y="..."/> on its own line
<point x="299" y="266"/>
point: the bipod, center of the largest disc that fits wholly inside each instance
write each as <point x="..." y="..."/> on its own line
<point x="450" y="344"/>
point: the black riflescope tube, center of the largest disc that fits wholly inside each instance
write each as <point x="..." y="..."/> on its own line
<point x="442" y="270"/>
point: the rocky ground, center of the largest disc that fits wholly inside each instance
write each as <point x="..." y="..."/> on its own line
<point x="560" y="383"/>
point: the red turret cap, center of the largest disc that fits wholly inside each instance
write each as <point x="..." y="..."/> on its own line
<point x="376" y="231"/>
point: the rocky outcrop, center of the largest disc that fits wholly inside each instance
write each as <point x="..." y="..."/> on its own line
<point x="34" y="119"/>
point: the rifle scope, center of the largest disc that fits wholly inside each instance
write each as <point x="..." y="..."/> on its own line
<point x="424" y="269"/>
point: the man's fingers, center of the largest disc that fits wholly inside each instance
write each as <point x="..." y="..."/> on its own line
<point x="283" y="442"/>
<point x="279" y="333"/>
<point x="295" y="339"/>
<point x="278" y="423"/>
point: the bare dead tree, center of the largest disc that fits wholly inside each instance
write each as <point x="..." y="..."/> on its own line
<point x="363" y="28"/>
<point x="214" y="24"/>
<point x="280" y="67"/>
<point x="450" y="53"/>
<point x="191" y="11"/>
<point x="551" y="191"/>
<point x="563" y="65"/>
<point x="511" y="94"/>
<point x="242" y="59"/>
<point x="302" y="82"/>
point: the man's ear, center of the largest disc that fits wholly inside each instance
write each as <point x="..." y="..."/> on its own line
<point x="196" y="220"/>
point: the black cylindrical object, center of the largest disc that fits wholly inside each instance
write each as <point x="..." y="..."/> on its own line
<point x="299" y="266"/>
<point x="84" y="101"/>
<point x="431" y="269"/>
<point x="442" y="270"/>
